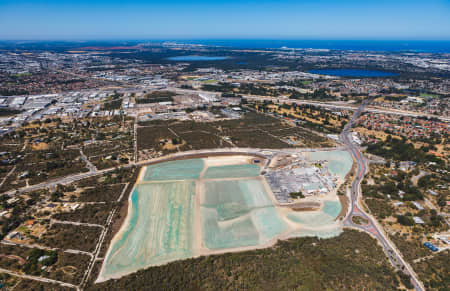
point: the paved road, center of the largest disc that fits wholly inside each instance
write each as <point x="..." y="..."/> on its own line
<point x="372" y="226"/>
<point x="334" y="105"/>
<point x="263" y="153"/>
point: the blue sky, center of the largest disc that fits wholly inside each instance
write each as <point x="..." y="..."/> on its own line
<point x="283" y="19"/>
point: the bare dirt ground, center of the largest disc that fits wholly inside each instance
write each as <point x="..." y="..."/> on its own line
<point x="344" y="204"/>
<point x="221" y="160"/>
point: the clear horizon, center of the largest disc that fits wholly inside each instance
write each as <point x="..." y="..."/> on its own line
<point x="174" y="39"/>
<point x="202" y="20"/>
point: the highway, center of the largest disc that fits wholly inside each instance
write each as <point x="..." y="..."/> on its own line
<point x="372" y="226"/>
<point x="331" y="105"/>
<point x="334" y="105"/>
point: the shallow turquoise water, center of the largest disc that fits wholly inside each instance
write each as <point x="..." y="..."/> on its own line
<point x="232" y="171"/>
<point x="332" y="208"/>
<point x="233" y="214"/>
<point x="238" y="213"/>
<point x="249" y="193"/>
<point x="324" y="217"/>
<point x="268" y="222"/>
<point x="175" y="170"/>
<point x="237" y="233"/>
<point x="339" y="162"/>
<point x="159" y="230"/>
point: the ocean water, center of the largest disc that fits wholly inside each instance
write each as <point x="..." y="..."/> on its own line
<point x="339" y="162"/>
<point x="437" y="46"/>
<point x="232" y="171"/>
<point x="352" y="73"/>
<point x="174" y="170"/>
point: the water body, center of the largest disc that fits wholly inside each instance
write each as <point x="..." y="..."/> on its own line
<point x="160" y="225"/>
<point x="232" y="171"/>
<point x="324" y="217"/>
<point x="175" y="170"/>
<point x="353" y="73"/>
<point x="438" y="46"/>
<point x="339" y="162"/>
<point x="159" y="230"/>
<point x="194" y="58"/>
<point x="238" y="213"/>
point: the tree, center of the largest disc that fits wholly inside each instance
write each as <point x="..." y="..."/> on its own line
<point x="405" y="220"/>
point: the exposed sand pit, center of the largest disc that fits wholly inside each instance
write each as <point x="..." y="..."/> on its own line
<point x="188" y="208"/>
<point x="227" y="160"/>
<point x="159" y="229"/>
<point x="238" y="213"/>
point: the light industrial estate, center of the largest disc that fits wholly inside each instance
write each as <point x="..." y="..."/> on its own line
<point x="163" y="165"/>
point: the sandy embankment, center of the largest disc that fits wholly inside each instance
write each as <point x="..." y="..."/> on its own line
<point x="198" y="247"/>
<point x="228" y="160"/>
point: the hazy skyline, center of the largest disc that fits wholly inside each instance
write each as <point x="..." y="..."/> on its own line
<point x="326" y="19"/>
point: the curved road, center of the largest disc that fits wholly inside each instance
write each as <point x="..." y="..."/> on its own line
<point x="372" y="227"/>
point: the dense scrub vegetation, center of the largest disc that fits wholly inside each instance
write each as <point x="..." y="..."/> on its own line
<point x="68" y="236"/>
<point x="435" y="272"/>
<point x="252" y="130"/>
<point x="352" y="261"/>
<point x="400" y="150"/>
<point x="26" y="284"/>
<point x="155" y="97"/>
<point x="101" y="193"/>
<point x="91" y="213"/>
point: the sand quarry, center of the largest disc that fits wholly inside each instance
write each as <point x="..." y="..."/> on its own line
<point x="188" y="208"/>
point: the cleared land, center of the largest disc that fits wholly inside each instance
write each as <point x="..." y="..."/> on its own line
<point x="159" y="229"/>
<point x="238" y="213"/>
<point x="252" y="130"/>
<point x="194" y="207"/>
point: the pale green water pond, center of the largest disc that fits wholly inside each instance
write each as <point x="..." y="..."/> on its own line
<point x="234" y="213"/>
<point x="339" y="162"/>
<point x="159" y="229"/>
<point x="175" y="170"/>
<point x="326" y="216"/>
<point x="238" y="213"/>
<point x="232" y="171"/>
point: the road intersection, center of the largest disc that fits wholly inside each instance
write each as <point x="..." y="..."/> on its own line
<point x="372" y="227"/>
<point x="355" y="210"/>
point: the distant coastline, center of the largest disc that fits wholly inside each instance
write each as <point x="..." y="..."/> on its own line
<point x="431" y="46"/>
